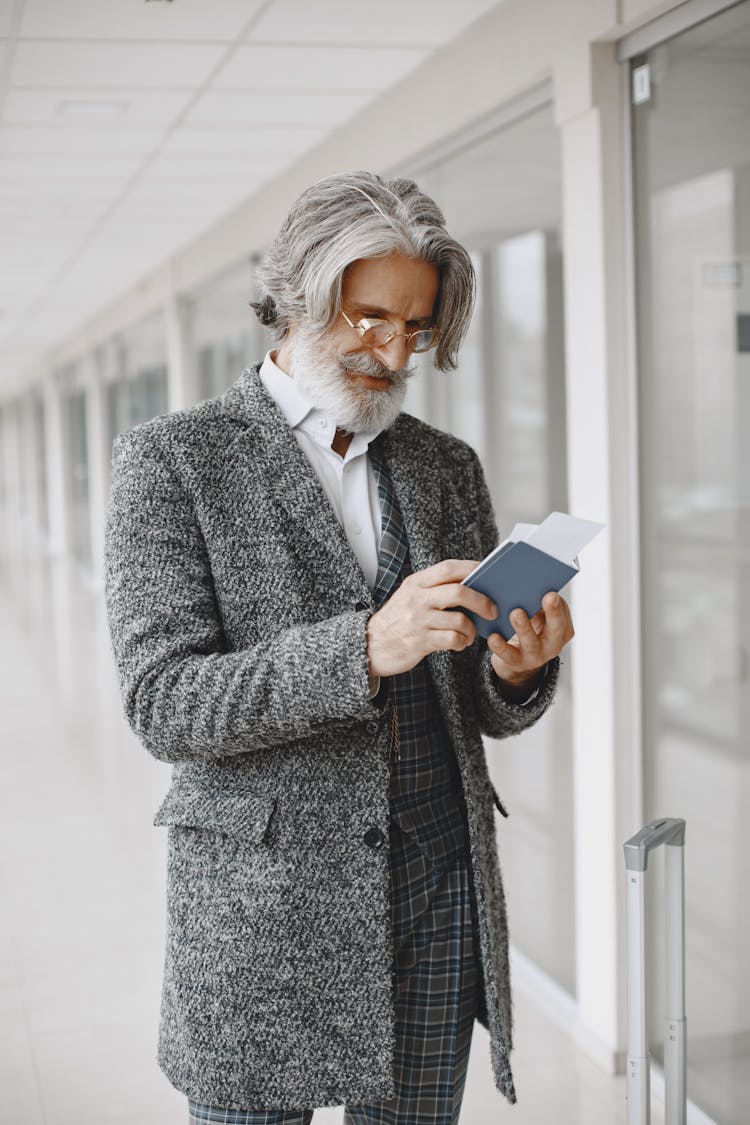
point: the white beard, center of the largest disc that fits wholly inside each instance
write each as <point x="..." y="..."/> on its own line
<point x="320" y="373"/>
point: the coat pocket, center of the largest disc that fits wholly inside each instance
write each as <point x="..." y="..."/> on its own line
<point x="244" y="815"/>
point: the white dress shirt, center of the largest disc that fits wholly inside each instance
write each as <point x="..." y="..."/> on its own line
<point x="348" y="482"/>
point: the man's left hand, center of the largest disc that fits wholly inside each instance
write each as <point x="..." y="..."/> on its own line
<point x="519" y="662"/>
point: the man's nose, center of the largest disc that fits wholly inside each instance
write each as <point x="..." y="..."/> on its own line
<point x="394" y="354"/>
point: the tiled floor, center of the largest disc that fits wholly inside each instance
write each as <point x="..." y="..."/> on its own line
<point x="81" y="898"/>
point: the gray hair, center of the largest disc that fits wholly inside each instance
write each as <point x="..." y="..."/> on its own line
<point x="348" y="217"/>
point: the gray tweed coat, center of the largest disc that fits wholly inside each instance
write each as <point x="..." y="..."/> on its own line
<point x="237" y="613"/>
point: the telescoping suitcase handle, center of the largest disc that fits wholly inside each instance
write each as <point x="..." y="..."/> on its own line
<point x="671" y="833"/>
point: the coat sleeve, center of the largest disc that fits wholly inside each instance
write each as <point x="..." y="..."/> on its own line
<point x="184" y="694"/>
<point x="497" y="717"/>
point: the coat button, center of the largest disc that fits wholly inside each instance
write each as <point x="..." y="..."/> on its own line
<point x="373" y="727"/>
<point x="374" y="838"/>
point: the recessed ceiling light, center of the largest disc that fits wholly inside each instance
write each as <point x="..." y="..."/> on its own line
<point x="88" y="108"/>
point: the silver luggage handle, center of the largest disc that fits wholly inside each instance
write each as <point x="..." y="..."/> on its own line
<point x="671" y="833"/>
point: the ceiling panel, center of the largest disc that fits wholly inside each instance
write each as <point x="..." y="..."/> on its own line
<point x="317" y="68"/>
<point x="222" y="167"/>
<point x="142" y="107"/>
<point x="43" y="199"/>
<point x="70" y="141"/>
<point x="116" y="19"/>
<point x="415" y="24"/>
<point x="275" y="109"/>
<point x="6" y="17"/>
<point x="63" y="168"/>
<point x="104" y="65"/>
<point x="19" y="262"/>
<point x="179" y="191"/>
<point x="288" y="141"/>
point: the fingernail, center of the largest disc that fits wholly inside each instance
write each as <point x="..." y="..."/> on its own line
<point x="517" y="617"/>
<point x="555" y="601"/>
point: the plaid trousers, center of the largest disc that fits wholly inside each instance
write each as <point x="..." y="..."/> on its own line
<point x="436" y="962"/>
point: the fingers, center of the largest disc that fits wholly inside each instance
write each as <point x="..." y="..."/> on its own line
<point x="559" y="624"/>
<point x="444" y="581"/>
<point x="537" y="622"/>
<point x="453" y="594"/>
<point x="449" y="570"/>
<point x="419" y="619"/>
<point x="537" y="639"/>
<point x="444" y="640"/>
<point x="508" y="652"/>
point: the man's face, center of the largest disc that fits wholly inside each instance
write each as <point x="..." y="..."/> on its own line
<point x="363" y="388"/>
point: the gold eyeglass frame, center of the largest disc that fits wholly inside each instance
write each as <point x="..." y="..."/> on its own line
<point x="365" y="324"/>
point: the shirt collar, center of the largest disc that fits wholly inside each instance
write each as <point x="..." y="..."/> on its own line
<point x="285" y="393"/>
<point x="301" y="414"/>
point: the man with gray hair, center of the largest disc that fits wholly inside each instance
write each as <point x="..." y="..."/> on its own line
<point x="284" y="569"/>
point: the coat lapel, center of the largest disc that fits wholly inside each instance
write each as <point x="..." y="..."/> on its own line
<point x="293" y="486"/>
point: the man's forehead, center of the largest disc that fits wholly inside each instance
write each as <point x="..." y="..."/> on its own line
<point x="395" y="284"/>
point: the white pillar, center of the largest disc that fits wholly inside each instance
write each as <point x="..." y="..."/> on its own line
<point x="32" y="501"/>
<point x="10" y="467"/>
<point x="57" y="495"/>
<point x="592" y="115"/>
<point x="97" y="456"/>
<point x="181" y="380"/>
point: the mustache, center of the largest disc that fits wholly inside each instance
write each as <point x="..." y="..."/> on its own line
<point x="364" y="364"/>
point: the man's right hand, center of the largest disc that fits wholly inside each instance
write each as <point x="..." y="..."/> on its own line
<point x="420" y="618"/>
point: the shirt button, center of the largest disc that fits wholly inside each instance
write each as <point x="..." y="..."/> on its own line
<point x="357" y="529"/>
<point x="373" y="727"/>
<point x="322" y="423"/>
<point x="374" y="838"/>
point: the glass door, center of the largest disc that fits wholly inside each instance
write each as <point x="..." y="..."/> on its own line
<point x="692" y="184"/>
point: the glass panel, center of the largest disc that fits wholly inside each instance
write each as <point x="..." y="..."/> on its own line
<point x="40" y="459"/>
<point x="692" y="163"/>
<point x="133" y="367"/>
<point x="74" y="413"/>
<point x="501" y="198"/>
<point x="226" y="334"/>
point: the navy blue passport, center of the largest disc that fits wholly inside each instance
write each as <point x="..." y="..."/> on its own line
<point x="516" y="576"/>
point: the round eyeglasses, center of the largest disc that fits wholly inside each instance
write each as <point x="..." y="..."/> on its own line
<point x="378" y="333"/>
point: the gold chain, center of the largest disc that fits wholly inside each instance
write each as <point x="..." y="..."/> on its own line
<point x="394" y="740"/>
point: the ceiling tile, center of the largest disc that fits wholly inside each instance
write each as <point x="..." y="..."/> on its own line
<point x="179" y="168"/>
<point x="115" y="19"/>
<point x="42" y="198"/>
<point x="62" y="169"/>
<point x="261" y="108"/>
<point x="74" y="141"/>
<point x="317" y="68"/>
<point x="6" y="17"/>
<point x="104" y="65"/>
<point x="417" y="23"/>
<point x="290" y="141"/>
<point x="144" y="107"/>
